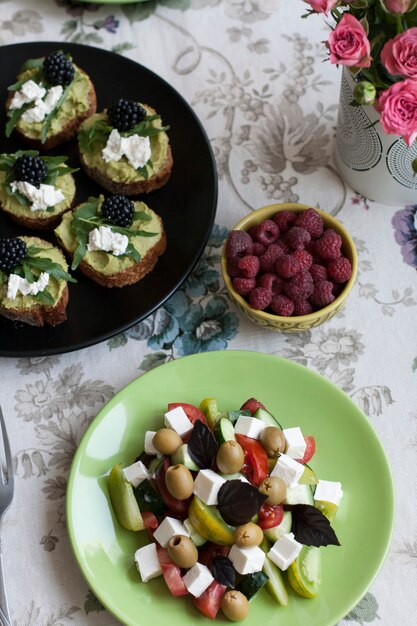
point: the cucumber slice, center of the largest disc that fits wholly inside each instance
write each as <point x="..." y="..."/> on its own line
<point x="300" y="494"/>
<point x="309" y="477"/>
<point x="329" y="509"/>
<point x="149" y="499"/>
<point x="123" y="500"/>
<point x="274" y="533"/>
<point x="304" y="575"/>
<point x="233" y="416"/>
<point x="276" y="584"/>
<point x="155" y="463"/>
<point x="182" y="457"/>
<point x="252" y="583"/>
<point x="224" y="431"/>
<point x="267" y="418"/>
<point x="236" y="476"/>
<point x="197" y="539"/>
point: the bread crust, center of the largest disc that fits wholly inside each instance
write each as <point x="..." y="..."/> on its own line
<point x="40" y="314"/>
<point x="130" y="275"/>
<point x="40" y="223"/>
<point x="159" y="179"/>
<point x="68" y="131"/>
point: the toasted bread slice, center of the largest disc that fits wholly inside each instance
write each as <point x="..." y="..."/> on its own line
<point x="33" y="312"/>
<point x="111" y="271"/>
<point x="39" y="220"/>
<point x="119" y="177"/>
<point x="65" y="125"/>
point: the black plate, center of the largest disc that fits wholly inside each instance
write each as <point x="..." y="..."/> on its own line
<point x="187" y="204"/>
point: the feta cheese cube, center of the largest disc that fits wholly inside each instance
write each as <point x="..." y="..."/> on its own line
<point x="167" y="529"/>
<point x="289" y="470"/>
<point x="149" y="447"/>
<point x="104" y="238"/>
<point x="247" y="560"/>
<point x="136" y="473"/>
<point x="147" y="562"/>
<point x="249" y="426"/>
<point x="329" y="491"/>
<point x="207" y="485"/>
<point x="296" y="445"/>
<point x="197" y="579"/>
<point x="178" y="421"/>
<point x="284" y="551"/>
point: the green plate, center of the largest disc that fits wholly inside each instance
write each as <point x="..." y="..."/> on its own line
<point x="348" y="450"/>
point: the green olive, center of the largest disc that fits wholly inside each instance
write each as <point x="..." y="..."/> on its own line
<point x="275" y="488"/>
<point x="248" y="535"/>
<point x="273" y="440"/>
<point x="179" y="481"/>
<point x="182" y="551"/>
<point x="235" y="605"/>
<point x="167" y="441"/>
<point x="230" y="457"/>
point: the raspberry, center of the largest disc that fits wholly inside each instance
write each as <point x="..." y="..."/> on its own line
<point x="125" y="114"/>
<point x="281" y="241"/>
<point x="272" y="282"/>
<point x="339" y="270"/>
<point x="311" y="221"/>
<point x="268" y="259"/>
<point x="302" y="307"/>
<point x="305" y="258"/>
<point x="337" y="289"/>
<point x="238" y="243"/>
<point x="266" y="232"/>
<point x="260" y="298"/>
<point x="322" y="294"/>
<point x="300" y="286"/>
<point x="249" y="266"/>
<point x="252" y="405"/>
<point x="233" y="267"/>
<point x="329" y="244"/>
<point x="297" y="238"/>
<point x="318" y="272"/>
<point x="284" y="220"/>
<point x="258" y="248"/>
<point x="287" y="266"/>
<point x="281" y="305"/>
<point x="243" y="286"/>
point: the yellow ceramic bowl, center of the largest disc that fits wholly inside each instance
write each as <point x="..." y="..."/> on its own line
<point x="302" y="322"/>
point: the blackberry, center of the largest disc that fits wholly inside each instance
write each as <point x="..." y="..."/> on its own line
<point x="30" y="169"/>
<point x="57" y="69"/>
<point x="119" y="210"/>
<point x="12" y="252"/>
<point x="125" y="114"/>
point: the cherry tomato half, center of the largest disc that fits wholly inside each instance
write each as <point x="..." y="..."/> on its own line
<point x="270" y="515"/>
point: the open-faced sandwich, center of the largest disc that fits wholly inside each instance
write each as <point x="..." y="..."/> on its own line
<point x="35" y="190"/>
<point x="113" y="241"/>
<point x="50" y="99"/>
<point x="125" y="149"/>
<point x="33" y="281"/>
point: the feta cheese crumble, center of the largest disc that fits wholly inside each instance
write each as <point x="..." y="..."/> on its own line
<point x="29" y="92"/>
<point x="135" y="148"/>
<point x="16" y="284"/>
<point x="41" y="198"/>
<point x="104" y="238"/>
<point x="44" y="107"/>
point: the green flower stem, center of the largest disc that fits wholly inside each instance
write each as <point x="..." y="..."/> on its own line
<point x="399" y="24"/>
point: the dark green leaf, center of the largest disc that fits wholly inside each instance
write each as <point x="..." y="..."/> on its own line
<point x="238" y="502"/>
<point x="132" y="252"/>
<point x="202" y="445"/>
<point x="79" y="253"/>
<point x="142" y="215"/>
<point x="223" y="571"/>
<point x="95" y="134"/>
<point x="28" y="274"/>
<point x="143" y="172"/>
<point x="48" y="119"/>
<point x="30" y="64"/>
<point x="45" y="297"/>
<point x="14" y="116"/>
<point x="311" y="527"/>
<point x="46" y="265"/>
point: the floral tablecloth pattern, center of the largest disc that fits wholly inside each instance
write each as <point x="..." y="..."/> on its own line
<point x="254" y="72"/>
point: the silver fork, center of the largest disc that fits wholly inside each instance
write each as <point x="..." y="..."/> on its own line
<point x="6" y="496"/>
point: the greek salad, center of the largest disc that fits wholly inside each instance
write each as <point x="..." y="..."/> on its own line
<point x="230" y="506"/>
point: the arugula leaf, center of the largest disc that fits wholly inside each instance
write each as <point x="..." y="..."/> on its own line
<point x="31" y="64"/>
<point x="46" y="265"/>
<point x="14" y="116"/>
<point x="45" y="297"/>
<point x="79" y="253"/>
<point x="32" y="250"/>
<point x="143" y="171"/>
<point x="132" y="252"/>
<point x="48" y="119"/>
<point x="2" y="277"/>
<point x="142" y="215"/>
<point x="28" y="274"/>
<point x="96" y="133"/>
<point x="55" y="172"/>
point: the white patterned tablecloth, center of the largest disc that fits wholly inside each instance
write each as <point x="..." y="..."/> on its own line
<point x="254" y="72"/>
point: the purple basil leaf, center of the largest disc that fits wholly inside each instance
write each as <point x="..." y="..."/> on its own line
<point x="223" y="571"/>
<point x="311" y="527"/>
<point x="202" y="445"/>
<point x="238" y="502"/>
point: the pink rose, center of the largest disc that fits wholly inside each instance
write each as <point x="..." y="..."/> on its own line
<point x="398" y="108"/>
<point x="348" y="43"/>
<point x="399" y="6"/>
<point x="322" y="6"/>
<point x="399" y="55"/>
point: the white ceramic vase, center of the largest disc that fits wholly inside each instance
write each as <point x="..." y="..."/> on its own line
<point x="373" y="163"/>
